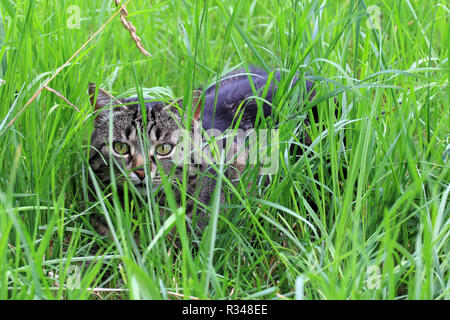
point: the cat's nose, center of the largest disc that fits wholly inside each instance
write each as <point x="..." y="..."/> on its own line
<point x="140" y="173"/>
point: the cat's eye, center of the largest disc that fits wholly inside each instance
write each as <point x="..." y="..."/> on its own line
<point x="121" y="147"/>
<point x="163" y="149"/>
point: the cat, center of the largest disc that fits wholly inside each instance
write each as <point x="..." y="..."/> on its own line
<point x="229" y="104"/>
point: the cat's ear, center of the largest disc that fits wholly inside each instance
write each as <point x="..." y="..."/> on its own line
<point x="197" y="103"/>
<point x="103" y="98"/>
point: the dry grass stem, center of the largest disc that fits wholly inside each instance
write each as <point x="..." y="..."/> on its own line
<point x="62" y="97"/>
<point x="131" y="28"/>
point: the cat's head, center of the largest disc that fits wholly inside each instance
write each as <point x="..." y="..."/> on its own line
<point x="139" y="149"/>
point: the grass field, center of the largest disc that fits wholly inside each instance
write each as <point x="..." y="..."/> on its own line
<point x="368" y="219"/>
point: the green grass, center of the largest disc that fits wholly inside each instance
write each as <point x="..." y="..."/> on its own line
<point x="368" y="219"/>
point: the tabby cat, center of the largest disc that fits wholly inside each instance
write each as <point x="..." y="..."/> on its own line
<point x="141" y="163"/>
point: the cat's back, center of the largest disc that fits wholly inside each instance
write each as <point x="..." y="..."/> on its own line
<point x="237" y="79"/>
<point x="223" y="100"/>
